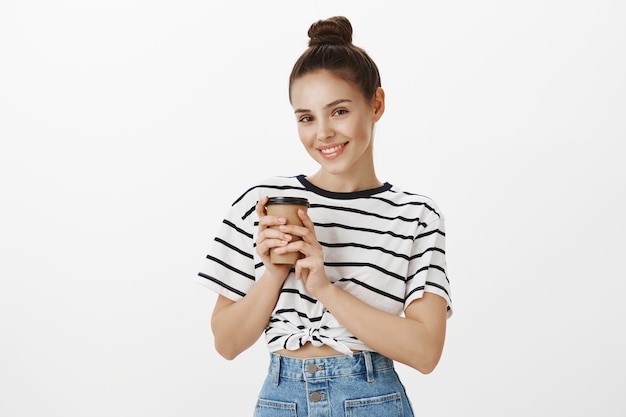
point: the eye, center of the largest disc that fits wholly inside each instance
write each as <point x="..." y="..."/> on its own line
<point x="340" y="112"/>
<point x="305" y="119"/>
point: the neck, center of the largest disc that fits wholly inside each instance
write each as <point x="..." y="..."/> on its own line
<point x="343" y="183"/>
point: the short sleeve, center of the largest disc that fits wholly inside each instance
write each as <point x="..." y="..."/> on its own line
<point x="229" y="267"/>
<point x="427" y="265"/>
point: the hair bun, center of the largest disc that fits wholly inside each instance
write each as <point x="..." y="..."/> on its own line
<point x="334" y="30"/>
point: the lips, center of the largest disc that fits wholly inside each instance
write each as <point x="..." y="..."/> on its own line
<point x="332" y="150"/>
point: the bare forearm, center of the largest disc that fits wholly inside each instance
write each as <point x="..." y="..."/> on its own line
<point x="238" y="325"/>
<point x="405" y="340"/>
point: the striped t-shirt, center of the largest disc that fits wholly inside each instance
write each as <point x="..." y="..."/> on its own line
<point x="383" y="245"/>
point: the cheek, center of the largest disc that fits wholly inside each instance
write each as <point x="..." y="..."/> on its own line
<point x="364" y="128"/>
<point x="306" y="137"/>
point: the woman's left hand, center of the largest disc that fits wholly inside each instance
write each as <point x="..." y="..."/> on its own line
<point x="310" y="268"/>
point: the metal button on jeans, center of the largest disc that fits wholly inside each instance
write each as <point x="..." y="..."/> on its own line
<point x="311" y="368"/>
<point x="316" y="396"/>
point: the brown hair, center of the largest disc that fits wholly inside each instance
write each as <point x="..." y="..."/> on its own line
<point x="331" y="48"/>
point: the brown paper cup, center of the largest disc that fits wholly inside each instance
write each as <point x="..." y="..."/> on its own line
<point x="286" y="207"/>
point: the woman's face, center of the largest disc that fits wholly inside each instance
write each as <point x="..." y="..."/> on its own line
<point x="336" y="124"/>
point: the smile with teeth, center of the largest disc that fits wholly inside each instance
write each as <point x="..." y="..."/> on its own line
<point x="328" y="151"/>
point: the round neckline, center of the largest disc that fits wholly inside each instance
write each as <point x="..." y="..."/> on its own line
<point x="341" y="195"/>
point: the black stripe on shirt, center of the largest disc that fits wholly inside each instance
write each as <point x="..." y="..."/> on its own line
<point x="419" y="255"/>
<point x="408" y="203"/>
<point x="430" y="233"/>
<point x="236" y="249"/>
<point x="428" y="284"/>
<point x="298" y="293"/>
<point x="373" y="266"/>
<point x="426" y="268"/>
<point x="299" y="313"/>
<point x="441" y="287"/>
<point x="248" y="212"/>
<point x="367" y="247"/>
<point x="380" y="249"/>
<point x="232" y="268"/>
<point x="273" y="187"/>
<point x="373" y="289"/>
<point x="416" y="289"/>
<point x="234" y="226"/>
<point x="362" y="229"/>
<point x="221" y="284"/>
<point x="287" y="340"/>
<point x="366" y="213"/>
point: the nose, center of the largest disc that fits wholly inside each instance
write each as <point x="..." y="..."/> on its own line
<point x="324" y="130"/>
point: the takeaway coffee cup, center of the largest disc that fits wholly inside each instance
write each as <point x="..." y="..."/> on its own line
<point x="286" y="207"/>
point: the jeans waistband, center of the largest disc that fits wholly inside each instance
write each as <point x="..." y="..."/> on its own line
<point x="328" y="367"/>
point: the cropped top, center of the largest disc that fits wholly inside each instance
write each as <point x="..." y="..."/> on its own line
<point x="383" y="245"/>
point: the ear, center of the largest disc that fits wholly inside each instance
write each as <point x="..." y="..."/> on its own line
<point x="379" y="103"/>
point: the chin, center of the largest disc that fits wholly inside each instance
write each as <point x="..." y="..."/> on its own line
<point x="335" y="171"/>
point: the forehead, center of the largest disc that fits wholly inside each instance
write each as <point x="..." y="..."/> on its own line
<point x="318" y="88"/>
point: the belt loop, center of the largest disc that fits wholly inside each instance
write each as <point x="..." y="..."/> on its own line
<point x="276" y="368"/>
<point x="369" y="367"/>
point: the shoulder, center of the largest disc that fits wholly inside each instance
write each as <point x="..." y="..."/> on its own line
<point x="402" y="197"/>
<point x="268" y="185"/>
<point x="243" y="206"/>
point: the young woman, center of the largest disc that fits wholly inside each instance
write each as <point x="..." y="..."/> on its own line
<point x="370" y="287"/>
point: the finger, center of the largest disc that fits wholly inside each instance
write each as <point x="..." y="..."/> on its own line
<point x="302" y="272"/>
<point x="272" y="238"/>
<point x="306" y="220"/>
<point x="307" y="228"/>
<point x="266" y="221"/>
<point x="274" y="233"/>
<point x="260" y="206"/>
<point x="265" y="245"/>
<point x="309" y="235"/>
<point x="269" y="221"/>
<point x="268" y="244"/>
<point x="293" y="246"/>
<point x="307" y="225"/>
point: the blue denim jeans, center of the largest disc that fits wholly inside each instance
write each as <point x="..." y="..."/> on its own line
<point x="363" y="385"/>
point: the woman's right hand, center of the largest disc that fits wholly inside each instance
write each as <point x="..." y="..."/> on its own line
<point x="269" y="238"/>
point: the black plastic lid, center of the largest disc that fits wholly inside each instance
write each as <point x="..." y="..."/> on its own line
<point x="297" y="201"/>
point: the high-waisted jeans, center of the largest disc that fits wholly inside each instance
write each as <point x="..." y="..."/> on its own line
<point x="363" y="385"/>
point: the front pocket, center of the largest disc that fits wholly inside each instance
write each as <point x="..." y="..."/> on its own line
<point x="389" y="405"/>
<point x="270" y="408"/>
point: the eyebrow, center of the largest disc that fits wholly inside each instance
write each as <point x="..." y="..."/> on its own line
<point x="331" y="104"/>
